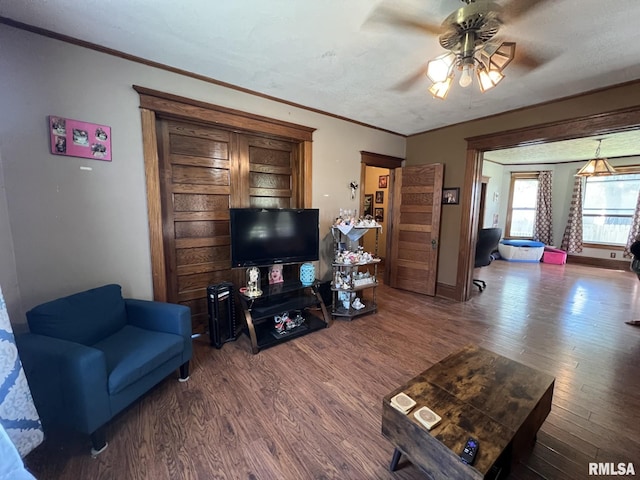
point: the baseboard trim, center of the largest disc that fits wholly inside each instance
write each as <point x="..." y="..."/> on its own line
<point x="446" y="291"/>
<point x="599" y="262"/>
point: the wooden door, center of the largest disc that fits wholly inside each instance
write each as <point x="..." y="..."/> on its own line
<point x="195" y="181"/>
<point x="271" y="164"/>
<point x="203" y="172"/>
<point x="415" y="228"/>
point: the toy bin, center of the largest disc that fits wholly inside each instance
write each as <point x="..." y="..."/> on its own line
<point x="554" y="255"/>
<point x="521" y="250"/>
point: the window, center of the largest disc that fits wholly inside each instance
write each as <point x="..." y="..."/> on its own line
<point x="523" y="199"/>
<point x="608" y="207"/>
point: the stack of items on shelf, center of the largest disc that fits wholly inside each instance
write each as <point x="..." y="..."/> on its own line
<point x="350" y="271"/>
<point x="347" y="220"/>
<point x="346" y="280"/>
<point x="359" y="257"/>
<point x="350" y="299"/>
<point x="363" y="278"/>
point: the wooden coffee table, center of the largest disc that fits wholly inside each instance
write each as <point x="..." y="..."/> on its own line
<point x="479" y="394"/>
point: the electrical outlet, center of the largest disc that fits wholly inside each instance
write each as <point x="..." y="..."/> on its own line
<point x="613" y="254"/>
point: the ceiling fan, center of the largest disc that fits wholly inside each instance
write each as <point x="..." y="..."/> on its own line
<point x="468" y="34"/>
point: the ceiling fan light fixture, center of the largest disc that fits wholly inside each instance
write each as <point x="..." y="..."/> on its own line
<point x="441" y="89"/>
<point x="597" y="167"/>
<point x="497" y="56"/>
<point x="439" y="69"/>
<point x="488" y="78"/>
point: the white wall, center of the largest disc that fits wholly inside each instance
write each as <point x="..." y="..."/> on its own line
<point x="8" y="274"/>
<point x="494" y="194"/>
<point x="73" y="229"/>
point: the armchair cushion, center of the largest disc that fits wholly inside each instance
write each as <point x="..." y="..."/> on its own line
<point x="68" y="319"/>
<point x="133" y="352"/>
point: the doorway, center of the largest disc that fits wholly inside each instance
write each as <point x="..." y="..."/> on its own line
<point x="597" y="124"/>
<point x="373" y="166"/>
<point x="377" y="200"/>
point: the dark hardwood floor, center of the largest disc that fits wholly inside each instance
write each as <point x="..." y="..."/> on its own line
<point x="311" y="408"/>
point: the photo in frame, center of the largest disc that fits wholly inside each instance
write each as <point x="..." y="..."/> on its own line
<point x="383" y="181"/>
<point x="368" y="204"/>
<point x="379" y="196"/>
<point x="378" y="214"/>
<point x="79" y="139"/>
<point x="451" y="196"/>
<point x="275" y="274"/>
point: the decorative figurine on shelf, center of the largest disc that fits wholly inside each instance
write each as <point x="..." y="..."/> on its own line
<point x="357" y="304"/>
<point x="295" y="322"/>
<point x="307" y="274"/>
<point x="275" y="274"/>
<point x="253" y="282"/>
<point x="284" y="323"/>
<point x="281" y="322"/>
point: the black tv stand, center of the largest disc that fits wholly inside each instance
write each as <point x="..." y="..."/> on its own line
<point x="289" y="296"/>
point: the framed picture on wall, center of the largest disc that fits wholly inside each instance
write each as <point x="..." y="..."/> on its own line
<point x="379" y="214"/>
<point x="368" y="204"/>
<point x="79" y="139"/>
<point x="451" y="196"/>
<point x="383" y="181"/>
<point x="379" y="196"/>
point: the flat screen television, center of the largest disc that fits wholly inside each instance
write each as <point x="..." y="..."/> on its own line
<point x="269" y="236"/>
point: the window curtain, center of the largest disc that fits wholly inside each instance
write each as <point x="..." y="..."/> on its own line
<point x="543" y="227"/>
<point x="634" y="232"/>
<point x="18" y="415"/>
<point x="572" y="238"/>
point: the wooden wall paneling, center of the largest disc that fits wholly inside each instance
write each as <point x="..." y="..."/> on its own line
<point x="222" y="158"/>
<point x="166" y="199"/>
<point x="590" y="125"/>
<point x="154" y="205"/>
<point x="380" y="160"/>
<point x="470" y="201"/>
<point x="186" y="108"/>
<point x="304" y="192"/>
<point x="239" y="158"/>
<point x="270" y="172"/>
<point x="199" y="187"/>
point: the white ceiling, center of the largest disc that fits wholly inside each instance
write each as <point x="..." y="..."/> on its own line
<point x="346" y="58"/>
<point x="622" y="144"/>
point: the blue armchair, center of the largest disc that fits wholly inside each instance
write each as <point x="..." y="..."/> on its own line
<point x="90" y="355"/>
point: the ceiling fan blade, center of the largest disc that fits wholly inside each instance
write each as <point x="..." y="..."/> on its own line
<point x="514" y="9"/>
<point x="392" y="17"/>
<point x="528" y="60"/>
<point x="409" y="82"/>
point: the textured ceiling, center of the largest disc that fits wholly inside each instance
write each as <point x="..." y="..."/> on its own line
<point x="346" y="58"/>
<point x="622" y="144"/>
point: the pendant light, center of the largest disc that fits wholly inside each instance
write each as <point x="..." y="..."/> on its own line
<point x="596" y="167"/>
